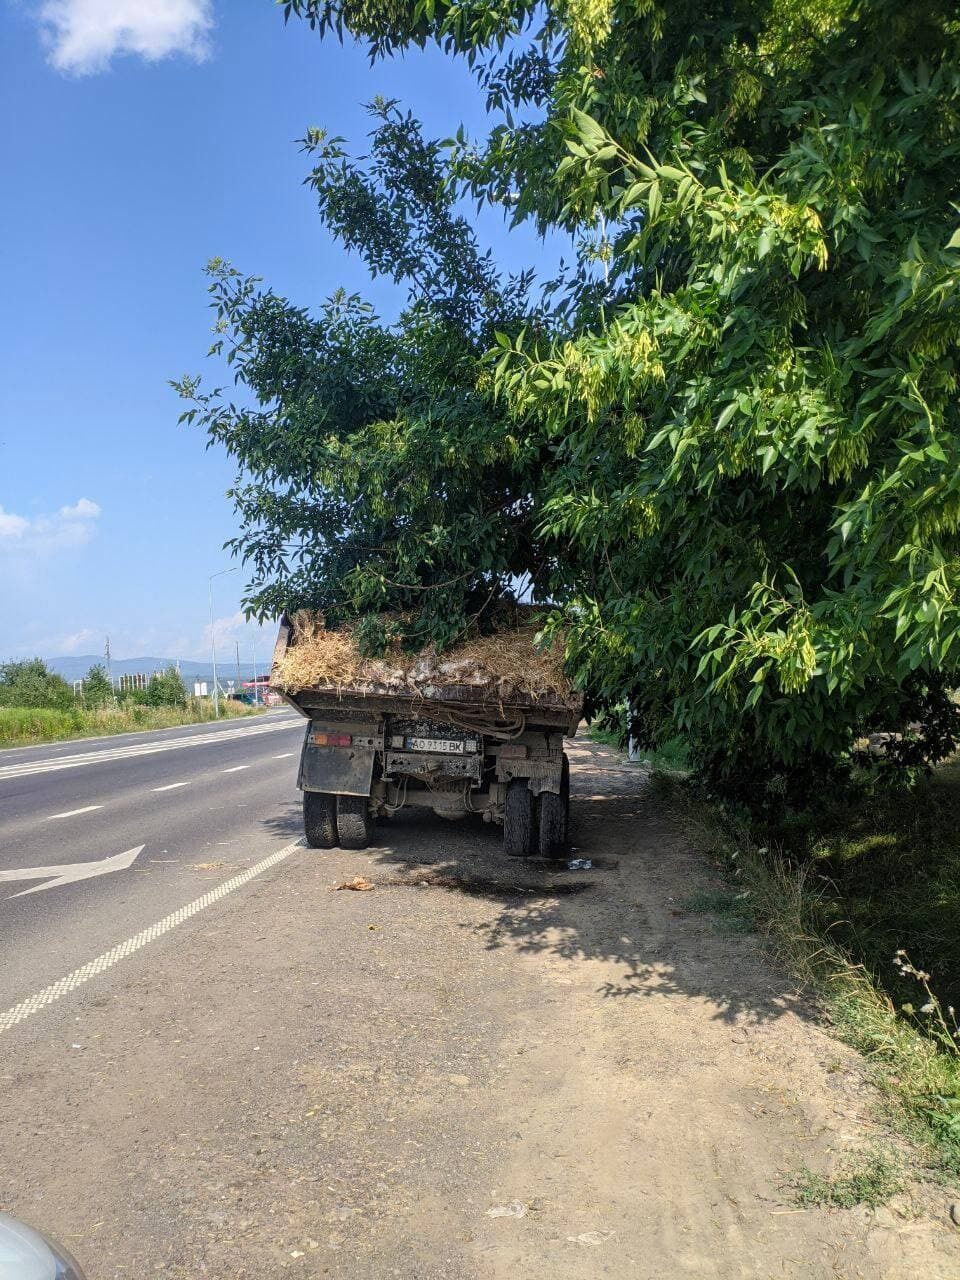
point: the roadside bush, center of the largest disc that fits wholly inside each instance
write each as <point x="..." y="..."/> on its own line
<point x="31" y="684"/>
<point x="166" y="689"/>
<point x="97" y="689"/>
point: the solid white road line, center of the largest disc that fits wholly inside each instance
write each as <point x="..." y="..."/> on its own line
<point x="171" y="786"/>
<point x="235" y="768"/>
<point x="49" y="995"/>
<point x="27" y="768"/>
<point x="72" y="813"/>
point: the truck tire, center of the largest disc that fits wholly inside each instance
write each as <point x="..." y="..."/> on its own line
<point x="354" y="823"/>
<point x="553" y="825"/>
<point x="319" y="819"/>
<point x="518" y="828"/>
<point x="565" y="793"/>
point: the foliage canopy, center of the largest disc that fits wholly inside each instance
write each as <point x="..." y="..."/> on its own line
<point x="723" y="444"/>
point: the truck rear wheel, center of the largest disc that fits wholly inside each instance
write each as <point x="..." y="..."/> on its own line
<point x="319" y="819"/>
<point x="553" y="825"/>
<point x="354" y="824"/>
<point x="518" y="830"/>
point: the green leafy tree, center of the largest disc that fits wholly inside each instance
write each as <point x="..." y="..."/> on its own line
<point x="31" y="684"/>
<point x="166" y="689"/>
<point x="97" y="689"/>
<point x="723" y="442"/>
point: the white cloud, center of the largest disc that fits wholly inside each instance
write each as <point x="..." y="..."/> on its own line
<point x="33" y="535"/>
<point x="226" y="629"/>
<point x="253" y="638"/>
<point x="78" y="642"/>
<point x="235" y="627"/>
<point x="12" y="526"/>
<point x="84" y="35"/>
<point x="82" y="509"/>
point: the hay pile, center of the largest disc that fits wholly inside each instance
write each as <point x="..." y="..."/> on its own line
<point x="498" y="666"/>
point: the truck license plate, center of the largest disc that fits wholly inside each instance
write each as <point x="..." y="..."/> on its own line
<point x="447" y="745"/>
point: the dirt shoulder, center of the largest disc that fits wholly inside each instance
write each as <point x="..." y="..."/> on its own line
<point x="477" y="1070"/>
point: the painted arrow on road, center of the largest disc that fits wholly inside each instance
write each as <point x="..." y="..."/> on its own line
<point x="71" y="872"/>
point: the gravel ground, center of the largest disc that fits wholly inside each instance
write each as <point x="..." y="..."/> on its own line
<point x="478" y="1069"/>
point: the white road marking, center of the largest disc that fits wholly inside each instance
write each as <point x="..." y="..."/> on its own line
<point x="71" y="872"/>
<point x="72" y="813"/>
<point x="26" y="768"/>
<point x="284" y="755"/>
<point x="235" y="768"/>
<point x="171" y="786"/>
<point x="49" y="995"/>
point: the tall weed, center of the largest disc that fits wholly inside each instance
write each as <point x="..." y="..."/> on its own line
<point x="27" y="726"/>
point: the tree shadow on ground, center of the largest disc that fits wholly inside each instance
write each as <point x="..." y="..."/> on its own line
<point x="627" y="910"/>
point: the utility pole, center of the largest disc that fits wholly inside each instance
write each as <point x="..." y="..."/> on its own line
<point x="239" y="681"/>
<point x="213" y="639"/>
<point x="106" y="654"/>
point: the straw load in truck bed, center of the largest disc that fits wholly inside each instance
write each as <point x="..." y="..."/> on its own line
<point x="504" y="669"/>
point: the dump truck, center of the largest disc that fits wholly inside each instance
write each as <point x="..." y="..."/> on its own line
<point x="475" y="732"/>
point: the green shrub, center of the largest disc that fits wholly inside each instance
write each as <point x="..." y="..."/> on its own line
<point x="166" y="689"/>
<point x="97" y="689"/>
<point x="30" y="684"/>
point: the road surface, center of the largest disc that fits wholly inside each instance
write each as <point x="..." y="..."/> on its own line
<point x="215" y="1065"/>
<point x="222" y="793"/>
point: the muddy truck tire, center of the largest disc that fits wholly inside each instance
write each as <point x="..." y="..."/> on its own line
<point x="319" y="819"/>
<point x="354" y="823"/>
<point x="518" y="824"/>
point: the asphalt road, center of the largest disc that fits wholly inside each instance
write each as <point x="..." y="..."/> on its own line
<point x="181" y="803"/>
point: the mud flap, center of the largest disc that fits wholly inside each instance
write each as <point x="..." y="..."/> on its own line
<point x="345" y="771"/>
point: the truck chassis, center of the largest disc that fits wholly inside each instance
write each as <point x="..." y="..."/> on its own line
<point x="367" y="757"/>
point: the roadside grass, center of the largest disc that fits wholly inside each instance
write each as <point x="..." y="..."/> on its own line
<point x="862" y="1177"/>
<point x="729" y="909"/>
<point x="865" y="913"/>
<point x="28" y="726"/>
<point x="670" y="758"/>
<point x="606" y="737"/>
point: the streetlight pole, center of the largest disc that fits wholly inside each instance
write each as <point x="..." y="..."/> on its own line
<point x="213" y="640"/>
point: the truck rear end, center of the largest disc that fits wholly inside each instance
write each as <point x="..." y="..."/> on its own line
<point x="443" y="735"/>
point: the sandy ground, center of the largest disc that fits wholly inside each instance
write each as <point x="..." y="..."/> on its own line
<point x="478" y="1070"/>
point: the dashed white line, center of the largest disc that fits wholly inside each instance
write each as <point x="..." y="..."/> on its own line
<point x="235" y="768"/>
<point x="72" y="813"/>
<point x="171" y="786"/>
<point x="284" y="755"/>
<point x="49" y="995"/>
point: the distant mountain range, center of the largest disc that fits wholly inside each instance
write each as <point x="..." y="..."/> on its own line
<point x="75" y="668"/>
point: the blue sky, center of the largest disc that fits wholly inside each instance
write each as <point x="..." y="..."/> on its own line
<point x="138" y="141"/>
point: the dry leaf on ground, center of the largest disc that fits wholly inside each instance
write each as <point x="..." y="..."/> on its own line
<point x="359" y="884"/>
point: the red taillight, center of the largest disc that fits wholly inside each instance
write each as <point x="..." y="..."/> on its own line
<point x="332" y="740"/>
